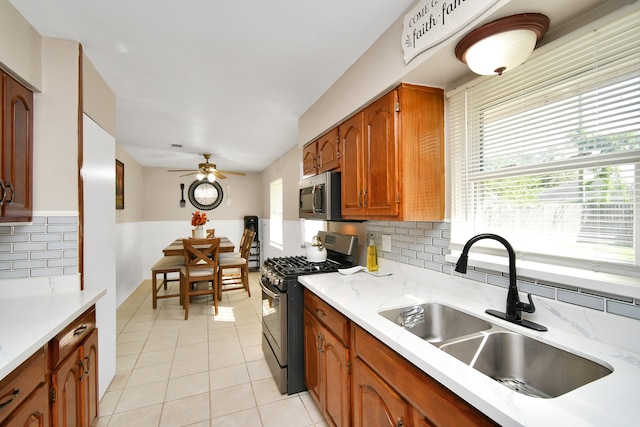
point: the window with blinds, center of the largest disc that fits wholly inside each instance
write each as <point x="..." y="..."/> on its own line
<point x="548" y="155"/>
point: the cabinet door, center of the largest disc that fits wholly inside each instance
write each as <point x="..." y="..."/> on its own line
<point x="335" y="380"/>
<point x="375" y="403"/>
<point x="90" y="378"/>
<point x="33" y="412"/>
<point x="310" y="159"/>
<point x="351" y="147"/>
<point x="382" y="189"/>
<point x="329" y="151"/>
<point x="312" y="335"/>
<point x="16" y="151"/>
<point x="67" y="383"/>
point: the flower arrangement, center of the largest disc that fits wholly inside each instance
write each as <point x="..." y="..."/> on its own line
<point x="199" y="219"/>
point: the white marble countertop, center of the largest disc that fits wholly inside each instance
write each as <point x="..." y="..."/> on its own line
<point x="611" y="400"/>
<point x="29" y="322"/>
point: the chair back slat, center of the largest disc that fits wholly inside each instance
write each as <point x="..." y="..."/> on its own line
<point x="201" y="253"/>
<point x="245" y="244"/>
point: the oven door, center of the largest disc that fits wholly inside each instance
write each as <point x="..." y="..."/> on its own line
<point x="274" y="320"/>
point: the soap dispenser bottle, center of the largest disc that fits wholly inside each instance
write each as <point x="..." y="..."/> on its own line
<point x="372" y="255"/>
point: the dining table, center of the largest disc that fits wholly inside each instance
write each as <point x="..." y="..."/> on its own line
<point x="176" y="247"/>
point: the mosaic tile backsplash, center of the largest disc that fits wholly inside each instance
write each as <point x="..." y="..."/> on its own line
<point x="425" y="244"/>
<point x="46" y="247"/>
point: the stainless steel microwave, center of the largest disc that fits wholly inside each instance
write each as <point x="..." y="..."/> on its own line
<point x="320" y="197"/>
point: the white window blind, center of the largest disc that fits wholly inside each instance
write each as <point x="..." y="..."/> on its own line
<point x="548" y="155"/>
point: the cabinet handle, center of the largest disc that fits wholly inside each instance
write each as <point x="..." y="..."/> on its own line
<point x="87" y="366"/>
<point x="320" y="161"/>
<point x="4" y="193"/>
<point x="366" y="193"/>
<point x="14" y="393"/>
<point x="80" y="330"/>
<point x="13" y="193"/>
<point x="319" y="342"/>
<point x="360" y="199"/>
<point x="80" y="365"/>
<point x="400" y="422"/>
<point x="320" y="313"/>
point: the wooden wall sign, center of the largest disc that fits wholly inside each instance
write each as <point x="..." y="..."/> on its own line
<point x="431" y="22"/>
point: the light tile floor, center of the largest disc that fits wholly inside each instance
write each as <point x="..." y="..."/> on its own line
<point x="206" y="371"/>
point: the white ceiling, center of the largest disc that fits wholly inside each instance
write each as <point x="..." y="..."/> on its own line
<point x="232" y="77"/>
<point x="226" y="77"/>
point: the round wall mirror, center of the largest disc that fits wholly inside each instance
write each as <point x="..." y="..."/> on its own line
<point x="205" y="195"/>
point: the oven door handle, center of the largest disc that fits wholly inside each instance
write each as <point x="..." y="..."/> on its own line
<point x="269" y="292"/>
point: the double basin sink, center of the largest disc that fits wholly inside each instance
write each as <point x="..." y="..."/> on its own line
<point x="521" y="363"/>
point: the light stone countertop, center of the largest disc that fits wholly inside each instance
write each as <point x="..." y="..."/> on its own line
<point x="611" y="340"/>
<point x="29" y="322"/>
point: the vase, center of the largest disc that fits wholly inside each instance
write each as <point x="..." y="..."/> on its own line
<point x="199" y="232"/>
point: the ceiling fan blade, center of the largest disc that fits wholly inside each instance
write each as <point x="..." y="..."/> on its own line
<point x="218" y="174"/>
<point x="233" y="173"/>
<point x="181" y="170"/>
<point x="187" y="174"/>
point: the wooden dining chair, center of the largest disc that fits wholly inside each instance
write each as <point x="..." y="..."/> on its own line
<point x="200" y="265"/>
<point x="167" y="265"/>
<point x="236" y="267"/>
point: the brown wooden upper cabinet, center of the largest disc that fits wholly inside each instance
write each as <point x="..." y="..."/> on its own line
<point x="393" y="157"/>
<point x="321" y="155"/>
<point x="16" y="157"/>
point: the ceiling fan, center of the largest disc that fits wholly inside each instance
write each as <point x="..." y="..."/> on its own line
<point x="207" y="170"/>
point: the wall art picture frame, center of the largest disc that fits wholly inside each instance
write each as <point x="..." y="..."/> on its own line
<point x="119" y="184"/>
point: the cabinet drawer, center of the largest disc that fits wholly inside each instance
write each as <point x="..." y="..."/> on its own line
<point x="17" y="386"/>
<point x="69" y="339"/>
<point x="328" y="316"/>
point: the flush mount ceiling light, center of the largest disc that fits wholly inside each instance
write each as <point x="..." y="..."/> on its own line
<point x="502" y="44"/>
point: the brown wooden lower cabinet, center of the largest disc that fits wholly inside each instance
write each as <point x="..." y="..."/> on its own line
<point x="74" y="375"/>
<point x="408" y="396"/>
<point x="356" y="380"/>
<point x="327" y="364"/>
<point x="33" y="412"/>
<point x="58" y="385"/>
<point x="375" y="403"/>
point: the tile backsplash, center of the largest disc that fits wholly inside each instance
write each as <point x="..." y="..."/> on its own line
<point x="46" y="247"/>
<point x="425" y="245"/>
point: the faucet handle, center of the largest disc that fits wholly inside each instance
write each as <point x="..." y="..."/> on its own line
<point x="527" y="308"/>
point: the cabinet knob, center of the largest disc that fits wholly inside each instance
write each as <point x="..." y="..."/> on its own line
<point x="400" y="422"/>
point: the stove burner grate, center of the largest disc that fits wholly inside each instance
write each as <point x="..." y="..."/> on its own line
<point x="295" y="265"/>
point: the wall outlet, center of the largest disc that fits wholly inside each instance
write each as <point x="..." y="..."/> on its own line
<point x="386" y="242"/>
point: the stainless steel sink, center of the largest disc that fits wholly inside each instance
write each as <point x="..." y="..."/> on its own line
<point x="526" y="365"/>
<point x="436" y="323"/>
<point x="523" y="364"/>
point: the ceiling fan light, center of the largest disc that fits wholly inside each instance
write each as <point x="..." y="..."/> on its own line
<point x="211" y="177"/>
<point x="200" y="176"/>
<point x="502" y="44"/>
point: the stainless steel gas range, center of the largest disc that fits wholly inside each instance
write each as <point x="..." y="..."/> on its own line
<point x="282" y="307"/>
